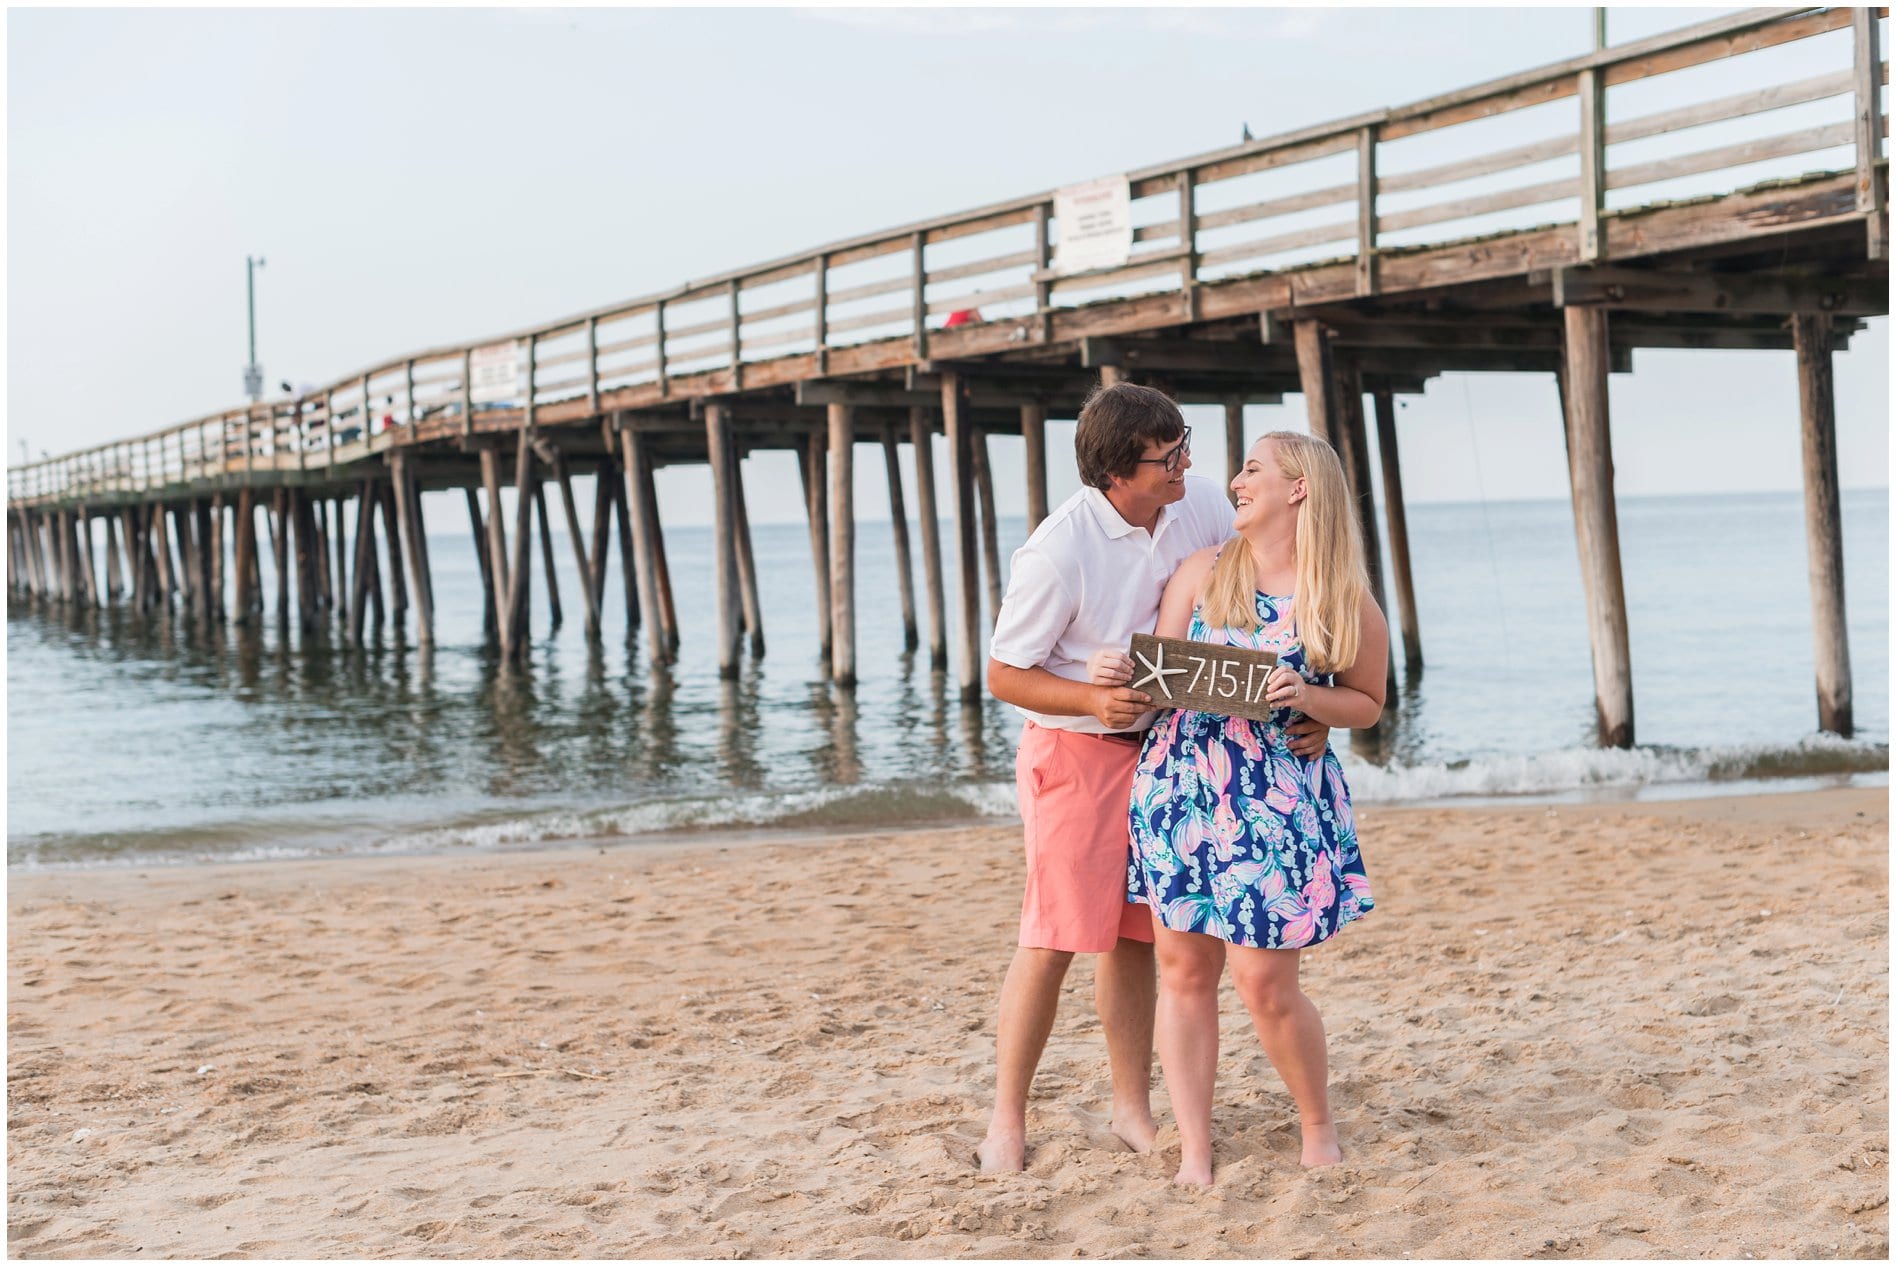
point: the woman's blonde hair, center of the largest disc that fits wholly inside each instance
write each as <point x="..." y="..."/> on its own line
<point x="1331" y="581"/>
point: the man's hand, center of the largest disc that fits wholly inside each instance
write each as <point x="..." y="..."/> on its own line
<point x="1118" y="707"/>
<point x="1307" y="738"/>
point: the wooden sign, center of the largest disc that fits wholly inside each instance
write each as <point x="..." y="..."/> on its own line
<point x="1228" y="681"/>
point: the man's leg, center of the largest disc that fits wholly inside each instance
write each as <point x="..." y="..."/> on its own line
<point x="1029" y="997"/>
<point x="1126" y="991"/>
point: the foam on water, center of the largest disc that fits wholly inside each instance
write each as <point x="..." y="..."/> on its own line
<point x="1642" y="772"/>
<point x="1584" y="769"/>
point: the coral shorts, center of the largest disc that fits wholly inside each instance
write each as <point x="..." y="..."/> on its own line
<point x="1074" y="790"/>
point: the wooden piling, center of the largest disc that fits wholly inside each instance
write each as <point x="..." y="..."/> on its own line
<point x="961" y="478"/>
<point x="392" y="538"/>
<point x="1033" y="434"/>
<point x="490" y="626"/>
<point x="161" y="548"/>
<point x="46" y="548"/>
<point x="219" y="612"/>
<point x="362" y="571"/>
<point x="58" y="555"/>
<point x="667" y="609"/>
<point x="636" y="613"/>
<point x="1398" y="520"/>
<point x="246" y="549"/>
<point x="30" y="570"/>
<point x="497" y="552"/>
<point x="302" y="523"/>
<point x="1354" y="433"/>
<point x="520" y="568"/>
<point x="18" y="526"/>
<point x="134" y="557"/>
<point x="329" y="582"/>
<point x="602" y="523"/>
<point x="990" y="529"/>
<point x="1317" y="377"/>
<point x="89" y="574"/>
<point x="813" y="467"/>
<point x="370" y="505"/>
<point x="898" y="521"/>
<point x="280" y="551"/>
<point x="62" y="527"/>
<point x="842" y="542"/>
<point x="45" y="556"/>
<point x="1596" y="522"/>
<point x="114" y="576"/>
<point x="588" y="584"/>
<point x="922" y="447"/>
<point x="1234" y="445"/>
<point x="203" y="532"/>
<point x="28" y="576"/>
<point x="256" y="564"/>
<point x="753" y="607"/>
<point x="718" y="449"/>
<point x="407" y="498"/>
<point x="1823" y="522"/>
<point x="644" y="550"/>
<point x="184" y="540"/>
<point x="556" y="613"/>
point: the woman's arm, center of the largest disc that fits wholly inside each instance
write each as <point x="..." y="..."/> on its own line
<point x="1181" y="593"/>
<point x="1356" y="701"/>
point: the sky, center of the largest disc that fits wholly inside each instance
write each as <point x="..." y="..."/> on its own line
<point x="428" y="176"/>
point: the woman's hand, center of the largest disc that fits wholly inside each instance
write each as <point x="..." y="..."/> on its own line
<point x="1285" y="688"/>
<point x="1107" y="667"/>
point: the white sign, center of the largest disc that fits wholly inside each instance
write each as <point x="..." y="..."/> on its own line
<point x="494" y="373"/>
<point x="1095" y="225"/>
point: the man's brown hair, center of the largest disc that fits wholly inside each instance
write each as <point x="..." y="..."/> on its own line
<point x="1116" y="424"/>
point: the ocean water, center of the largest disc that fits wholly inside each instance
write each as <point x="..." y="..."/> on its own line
<point x="140" y="741"/>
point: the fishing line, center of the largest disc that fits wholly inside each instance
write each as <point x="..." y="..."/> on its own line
<point x="1494" y="566"/>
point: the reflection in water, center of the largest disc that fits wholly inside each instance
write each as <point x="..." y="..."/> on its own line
<point x="144" y="732"/>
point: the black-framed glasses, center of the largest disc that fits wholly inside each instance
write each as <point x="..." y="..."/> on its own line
<point x="1174" y="457"/>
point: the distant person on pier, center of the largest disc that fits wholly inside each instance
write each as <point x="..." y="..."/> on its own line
<point x="1244" y="845"/>
<point x="1090" y="577"/>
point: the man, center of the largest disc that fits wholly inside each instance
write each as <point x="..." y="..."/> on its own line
<point x="1089" y="578"/>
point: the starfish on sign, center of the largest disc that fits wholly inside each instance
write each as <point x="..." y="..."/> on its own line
<point x="1156" y="672"/>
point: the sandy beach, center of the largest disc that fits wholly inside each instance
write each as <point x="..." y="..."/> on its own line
<point x="1654" y="1030"/>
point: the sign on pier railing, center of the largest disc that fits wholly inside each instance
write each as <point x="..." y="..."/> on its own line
<point x="494" y="373"/>
<point x="1094" y="223"/>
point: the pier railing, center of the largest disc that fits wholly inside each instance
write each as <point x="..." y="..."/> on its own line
<point x="1357" y="189"/>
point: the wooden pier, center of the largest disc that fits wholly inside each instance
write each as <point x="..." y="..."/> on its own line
<point x="971" y="325"/>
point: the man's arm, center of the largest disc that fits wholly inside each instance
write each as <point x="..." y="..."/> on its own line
<point x="1039" y="691"/>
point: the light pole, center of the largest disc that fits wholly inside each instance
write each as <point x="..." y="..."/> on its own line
<point x="253" y="372"/>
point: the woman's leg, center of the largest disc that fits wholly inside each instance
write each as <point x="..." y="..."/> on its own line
<point x="1189" y="967"/>
<point x="1292" y="1033"/>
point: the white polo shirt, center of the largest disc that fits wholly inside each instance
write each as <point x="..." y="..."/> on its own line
<point x="1087" y="579"/>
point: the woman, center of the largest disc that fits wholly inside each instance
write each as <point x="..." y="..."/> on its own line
<point x="1245" y="852"/>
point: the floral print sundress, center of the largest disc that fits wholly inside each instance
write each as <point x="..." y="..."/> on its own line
<point x="1233" y="834"/>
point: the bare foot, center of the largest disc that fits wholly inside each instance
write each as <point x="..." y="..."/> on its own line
<point x="1319" y="1144"/>
<point x="1002" y="1155"/>
<point x="1191" y="1175"/>
<point x="1135" y="1130"/>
